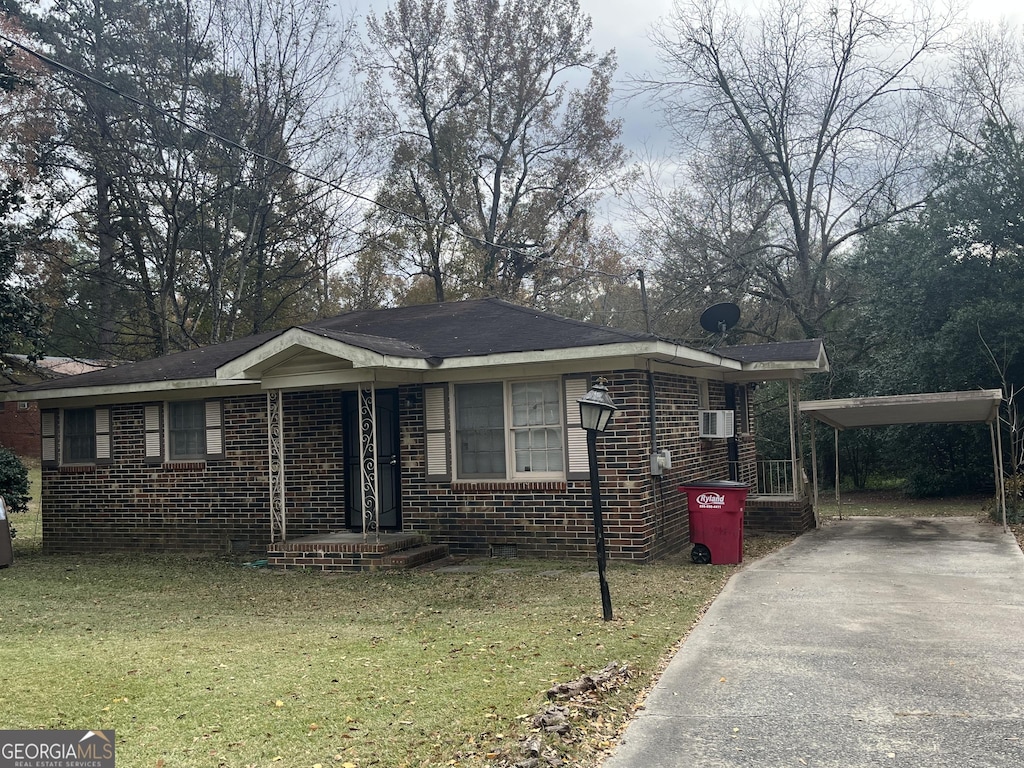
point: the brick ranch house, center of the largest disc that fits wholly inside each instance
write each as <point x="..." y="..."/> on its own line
<point x="382" y="438"/>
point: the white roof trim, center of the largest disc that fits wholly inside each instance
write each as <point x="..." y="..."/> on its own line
<point x="278" y="350"/>
<point x="971" y="407"/>
<point x="117" y="391"/>
<point x="267" y="365"/>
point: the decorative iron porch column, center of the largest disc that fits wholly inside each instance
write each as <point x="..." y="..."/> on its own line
<point x="368" y="475"/>
<point x="275" y="448"/>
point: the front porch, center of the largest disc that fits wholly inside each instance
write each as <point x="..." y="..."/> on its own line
<point x="352" y="552"/>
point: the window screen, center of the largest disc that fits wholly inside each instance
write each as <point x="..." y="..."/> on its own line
<point x="79" y="435"/>
<point x="480" y="429"/>
<point x="187" y="430"/>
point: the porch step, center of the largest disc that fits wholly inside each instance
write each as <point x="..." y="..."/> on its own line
<point x="414" y="556"/>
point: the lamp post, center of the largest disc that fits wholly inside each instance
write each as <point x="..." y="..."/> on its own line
<point x="596" y="410"/>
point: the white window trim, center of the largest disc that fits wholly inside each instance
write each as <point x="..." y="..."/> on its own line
<point x="102" y="436"/>
<point x="157" y="419"/>
<point x="703" y="395"/>
<point x="510" y="459"/>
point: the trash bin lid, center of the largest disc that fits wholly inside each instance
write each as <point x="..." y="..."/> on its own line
<point x="734" y="484"/>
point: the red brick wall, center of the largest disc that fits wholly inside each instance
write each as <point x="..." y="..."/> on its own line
<point x="314" y="454"/>
<point x="19" y="428"/>
<point x="645" y="517"/>
<point x="224" y="505"/>
<point x="540" y="519"/>
<point x="130" y="505"/>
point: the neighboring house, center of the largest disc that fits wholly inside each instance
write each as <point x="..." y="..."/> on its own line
<point x="454" y="424"/>
<point x="19" y="419"/>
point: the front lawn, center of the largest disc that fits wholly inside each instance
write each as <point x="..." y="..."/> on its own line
<point x="202" y="662"/>
<point x="205" y="662"/>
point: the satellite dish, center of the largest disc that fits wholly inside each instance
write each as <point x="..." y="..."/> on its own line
<point x="720" y="317"/>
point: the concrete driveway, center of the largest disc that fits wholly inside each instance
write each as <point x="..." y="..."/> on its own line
<point x="869" y="642"/>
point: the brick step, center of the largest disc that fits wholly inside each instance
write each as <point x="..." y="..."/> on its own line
<point x="414" y="556"/>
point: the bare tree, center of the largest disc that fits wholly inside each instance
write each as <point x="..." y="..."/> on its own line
<point x="498" y="156"/>
<point x="815" y="114"/>
<point x="214" y="140"/>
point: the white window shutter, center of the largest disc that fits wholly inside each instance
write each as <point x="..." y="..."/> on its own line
<point x="48" y="429"/>
<point x="214" y="429"/>
<point x="154" y="434"/>
<point x="103" y="447"/>
<point x="435" y="416"/>
<point x="575" y="435"/>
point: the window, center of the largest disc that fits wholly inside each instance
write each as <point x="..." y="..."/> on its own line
<point x="186" y="430"/>
<point x="522" y="420"/>
<point x="79" y="436"/>
<point x="76" y="436"/>
<point x="537" y="427"/>
<point x="480" y="429"/>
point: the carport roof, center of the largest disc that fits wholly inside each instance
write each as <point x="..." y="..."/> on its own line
<point x="977" y="406"/>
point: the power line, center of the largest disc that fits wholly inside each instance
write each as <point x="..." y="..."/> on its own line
<point x="168" y="115"/>
<point x="68" y="69"/>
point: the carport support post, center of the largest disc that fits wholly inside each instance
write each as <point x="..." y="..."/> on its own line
<point x="997" y="466"/>
<point x="839" y="501"/>
<point x="793" y="434"/>
<point x="814" y="470"/>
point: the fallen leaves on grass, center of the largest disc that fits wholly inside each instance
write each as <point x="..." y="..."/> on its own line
<point x="577" y="716"/>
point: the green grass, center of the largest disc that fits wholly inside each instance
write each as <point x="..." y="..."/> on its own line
<point x="893" y="503"/>
<point x="200" y="662"/>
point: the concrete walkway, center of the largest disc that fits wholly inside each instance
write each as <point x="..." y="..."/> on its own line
<point x="869" y="642"/>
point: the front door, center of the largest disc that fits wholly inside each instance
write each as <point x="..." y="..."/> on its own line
<point x="387" y="460"/>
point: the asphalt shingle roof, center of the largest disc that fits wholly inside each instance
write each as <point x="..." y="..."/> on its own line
<point x="428" y="331"/>
<point x="806" y="350"/>
<point x="472" y="328"/>
<point x="192" y="364"/>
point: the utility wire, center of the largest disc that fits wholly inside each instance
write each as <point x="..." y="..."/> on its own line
<point x="168" y="115"/>
<point x="66" y="68"/>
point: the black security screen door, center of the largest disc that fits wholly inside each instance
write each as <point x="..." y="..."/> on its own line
<point x="388" y="463"/>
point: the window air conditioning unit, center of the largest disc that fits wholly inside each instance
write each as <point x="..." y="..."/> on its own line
<point x="716" y="423"/>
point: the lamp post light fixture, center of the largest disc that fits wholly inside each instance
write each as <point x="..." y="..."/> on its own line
<point x="596" y="410"/>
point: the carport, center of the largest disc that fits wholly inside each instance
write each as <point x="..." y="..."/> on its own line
<point x="974" y="407"/>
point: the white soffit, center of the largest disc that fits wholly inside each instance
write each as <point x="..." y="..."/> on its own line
<point x="977" y="406"/>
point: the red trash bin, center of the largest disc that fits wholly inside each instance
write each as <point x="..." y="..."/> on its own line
<point x="716" y="520"/>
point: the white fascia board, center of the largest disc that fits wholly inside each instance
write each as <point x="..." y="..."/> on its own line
<point x="655" y="350"/>
<point x="781" y="369"/>
<point x="777" y="372"/>
<point x="294" y="341"/>
<point x="320" y="380"/>
<point x="148" y="390"/>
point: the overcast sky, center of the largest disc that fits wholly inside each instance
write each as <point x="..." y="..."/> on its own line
<point x="625" y="26"/>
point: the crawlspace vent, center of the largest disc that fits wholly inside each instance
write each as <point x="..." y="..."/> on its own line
<point x="504" y="550"/>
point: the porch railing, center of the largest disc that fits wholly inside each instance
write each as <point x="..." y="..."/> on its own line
<point x="773" y="477"/>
